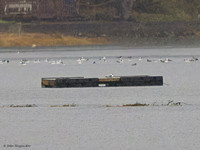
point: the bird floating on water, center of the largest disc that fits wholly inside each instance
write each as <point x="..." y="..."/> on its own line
<point x="193" y="59"/>
<point x="109" y="76"/>
<point x="166" y="60"/>
<point x="23" y="62"/>
<point x="149" y="60"/>
<point x="134" y="64"/>
<point x="5" y="61"/>
<point x="37" y="61"/>
<point x="140" y="59"/>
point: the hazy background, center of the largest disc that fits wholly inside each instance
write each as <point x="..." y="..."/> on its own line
<point x="135" y="23"/>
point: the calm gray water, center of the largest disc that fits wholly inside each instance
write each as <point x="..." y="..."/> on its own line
<point x="21" y="84"/>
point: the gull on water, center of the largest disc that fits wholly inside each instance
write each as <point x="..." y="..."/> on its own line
<point x="149" y="60"/>
<point x="140" y="59"/>
<point x="56" y="62"/>
<point x="60" y="62"/>
<point x="36" y="61"/>
<point x="120" y="60"/>
<point x="166" y="60"/>
<point x="193" y="59"/>
<point x="82" y="59"/>
<point x="109" y="76"/>
<point x="5" y="61"/>
<point x="79" y="61"/>
<point x="187" y="60"/>
<point x="23" y="62"/>
<point x="104" y="59"/>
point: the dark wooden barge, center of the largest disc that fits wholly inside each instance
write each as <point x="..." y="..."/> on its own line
<point x="69" y="82"/>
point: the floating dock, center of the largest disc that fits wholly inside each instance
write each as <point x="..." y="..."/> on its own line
<point x="70" y="82"/>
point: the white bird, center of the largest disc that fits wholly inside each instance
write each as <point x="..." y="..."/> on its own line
<point x="79" y="61"/>
<point x="56" y="62"/>
<point x="60" y="62"/>
<point x="23" y="62"/>
<point x="109" y="76"/>
<point x="37" y="61"/>
<point x="82" y="59"/>
<point x="50" y="61"/>
<point x="187" y="60"/>
<point x="104" y="59"/>
<point x="140" y="59"/>
<point x="166" y="60"/>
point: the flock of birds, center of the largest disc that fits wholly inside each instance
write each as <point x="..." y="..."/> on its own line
<point x="119" y="60"/>
<point x="51" y="61"/>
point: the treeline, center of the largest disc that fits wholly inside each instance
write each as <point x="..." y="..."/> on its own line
<point x="140" y="10"/>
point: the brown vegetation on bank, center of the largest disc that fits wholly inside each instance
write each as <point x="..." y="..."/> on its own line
<point x="38" y="39"/>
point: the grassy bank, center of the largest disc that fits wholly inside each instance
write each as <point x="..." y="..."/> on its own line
<point x="37" y="39"/>
<point x="4" y="22"/>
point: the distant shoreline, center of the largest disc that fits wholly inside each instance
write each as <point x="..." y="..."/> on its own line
<point x="40" y="40"/>
<point x="126" y="34"/>
<point x="89" y="48"/>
